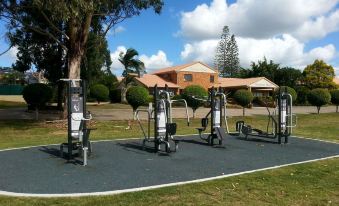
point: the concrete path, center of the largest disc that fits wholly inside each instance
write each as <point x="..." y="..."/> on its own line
<point x="126" y="114"/>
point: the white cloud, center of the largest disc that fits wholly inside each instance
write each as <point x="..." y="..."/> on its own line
<point x="119" y="29"/>
<point x="116" y="65"/>
<point x="278" y="30"/>
<point x="200" y="51"/>
<point x="287" y="51"/>
<point x="319" y="27"/>
<point x="253" y="18"/>
<point x="155" y="61"/>
<point x="9" y="57"/>
<point x="152" y="62"/>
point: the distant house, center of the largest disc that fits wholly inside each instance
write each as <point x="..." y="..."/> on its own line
<point x="35" y="77"/>
<point x="259" y="86"/>
<point x="179" y="77"/>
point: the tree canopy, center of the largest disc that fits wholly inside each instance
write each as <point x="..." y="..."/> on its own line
<point x="227" y="55"/>
<point x="319" y="75"/>
<point x="68" y="23"/>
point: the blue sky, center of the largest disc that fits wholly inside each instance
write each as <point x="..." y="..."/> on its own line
<point x="290" y="32"/>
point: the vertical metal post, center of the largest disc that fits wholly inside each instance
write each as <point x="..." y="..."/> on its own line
<point x="69" y="116"/>
<point x="286" y="132"/>
<point x="221" y="105"/>
<point x="279" y="116"/>
<point x="84" y="94"/>
<point x="155" y="100"/>
<point x="212" y="113"/>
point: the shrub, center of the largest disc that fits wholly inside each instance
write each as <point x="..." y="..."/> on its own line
<point x="243" y="98"/>
<point x="290" y="90"/>
<point x="194" y="91"/>
<point x="335" y="98"/>
<point x="99" y="92"/>
<point x="137" y="96"/>
<point x="302" y="93"/>
<point x="37" y="95"/>
<point x="319" y="97"/>
<point x="115" y="95"/>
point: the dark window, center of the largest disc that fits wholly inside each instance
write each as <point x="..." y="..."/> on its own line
<point x="212" y="78"/>
<point x="188" y="77"/>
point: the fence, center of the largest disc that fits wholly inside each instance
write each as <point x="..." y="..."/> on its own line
<point x="11" y="89"/>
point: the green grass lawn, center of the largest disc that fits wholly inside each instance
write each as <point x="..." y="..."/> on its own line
<point x="11" y="104"/>
<point x="307" y="184"/>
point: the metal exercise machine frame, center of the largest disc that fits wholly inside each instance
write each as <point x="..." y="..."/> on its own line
<point x="164" y="128"/>
<point x="77" y="118"/>
<point x="280" y="122"/>
<point x="218" y="101"/>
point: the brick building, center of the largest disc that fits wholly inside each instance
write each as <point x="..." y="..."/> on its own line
<point x="198" y="73"/>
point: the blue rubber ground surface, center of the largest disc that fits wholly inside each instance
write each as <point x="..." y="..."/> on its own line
<point x="120" y="165"/>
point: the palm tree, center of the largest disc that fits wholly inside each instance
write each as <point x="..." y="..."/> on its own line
<point x="131" y="66"/>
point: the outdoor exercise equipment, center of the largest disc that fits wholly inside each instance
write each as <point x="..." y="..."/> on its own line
<point x="217" y="102"/>
<point x="164" y="127"/>
<point x="280" y="121"/>
<point x="78" y="133"/>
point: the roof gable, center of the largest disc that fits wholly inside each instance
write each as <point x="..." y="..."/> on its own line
<point x="198" y="67"/>
<point x="191" y="67"/>
<point x="265" y="83"/>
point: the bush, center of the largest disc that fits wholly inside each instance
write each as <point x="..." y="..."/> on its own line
<point x="137" y="96"/>
<point x="335" y="98"/>
<point x="115" y="95"/>
<point x="243" y="98"/>
<point x="197" y="92"/>
<point x="290" y="90"/>
<point x="302" y="93"/>
<point x="99" y="92"/>
<point x="319" y="97"/>
<point x="37" y="95"/>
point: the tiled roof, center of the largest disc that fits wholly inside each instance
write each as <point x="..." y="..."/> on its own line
<point x="178" y="68"/>
<point x="238" y="82"/>
<point x="336" y="80"/>
<point x="149" y="80"/>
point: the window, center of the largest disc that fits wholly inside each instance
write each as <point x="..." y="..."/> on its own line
<point x="212" y="78"/>
<point x="188" y="77"/>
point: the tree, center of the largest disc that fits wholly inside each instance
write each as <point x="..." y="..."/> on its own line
<point x="287" y="76"/>
<point x="243" y="97"/>
<point x="99" y="92"/>
<point x="226" y="57"/>
<point x="137" y="96"/>
<point x="76" y="18"/>
<point x="319" y="97"/>
<point x="291" y="91"/>
<point x="319" y="75"/>
<point x="193" y="95"/>
<point x="302" y="93"/>
<point x="131" y="66"/>
<point x="36" y="96"/>
<point x="335" y="98"/>
<point x="264" y="69"/>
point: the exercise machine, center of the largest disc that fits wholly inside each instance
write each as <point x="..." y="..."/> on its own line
<point x="164" y="127"/>
<point x="77" y="118"/>
<point x="217" y="102"/>
<point x="280" y="121"/>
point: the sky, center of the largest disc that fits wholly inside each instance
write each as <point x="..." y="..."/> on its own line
<point x="290" y="32"/>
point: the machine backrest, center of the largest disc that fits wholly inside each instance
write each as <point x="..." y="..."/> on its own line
<point x="204" y="122"/>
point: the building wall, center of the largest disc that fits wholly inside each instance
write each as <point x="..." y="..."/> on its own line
<point x="198" y="78"/>
<point x="171" y="77"/>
